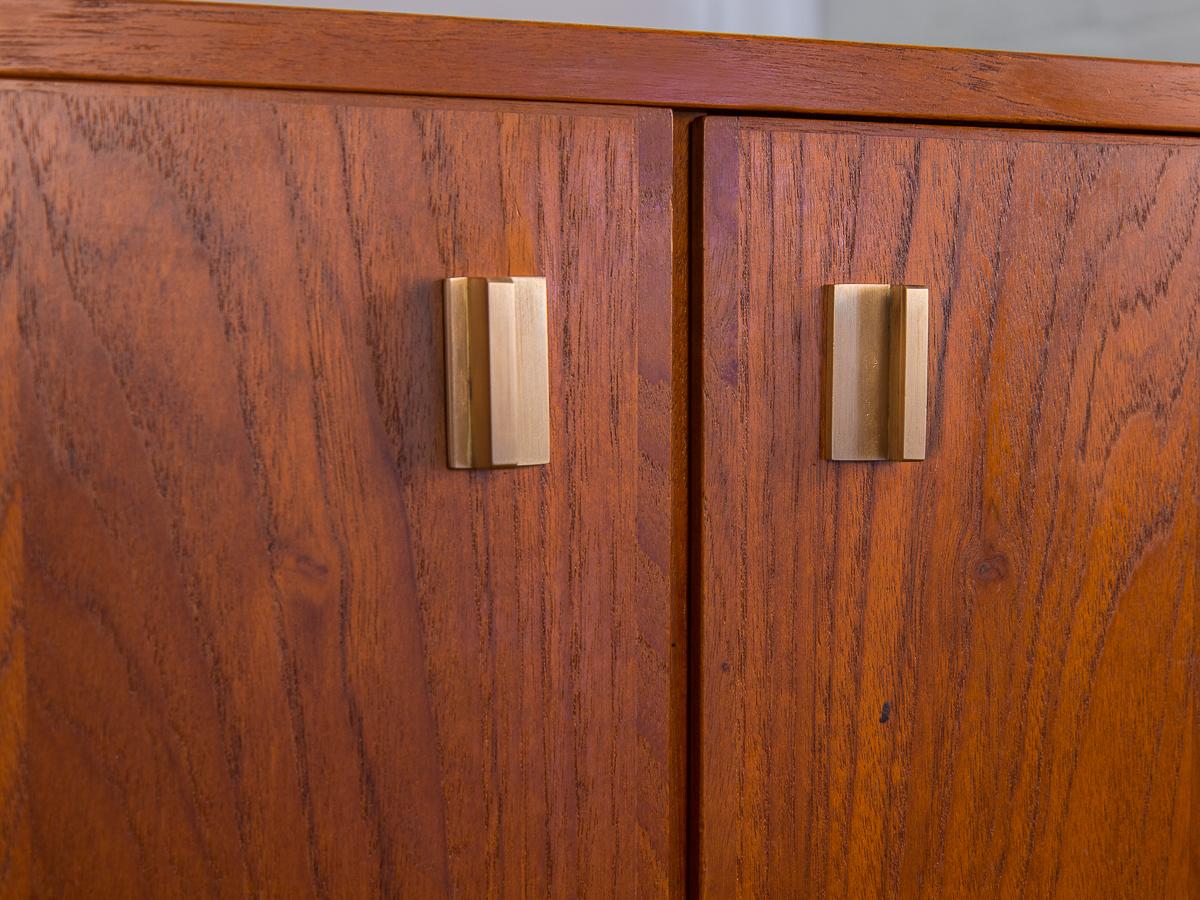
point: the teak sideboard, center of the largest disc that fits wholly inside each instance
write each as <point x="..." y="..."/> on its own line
<point x="265" y="632"/>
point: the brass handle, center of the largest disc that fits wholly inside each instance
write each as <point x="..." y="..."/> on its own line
<point x="497" y="373"/>
<point x="876" y="372"/>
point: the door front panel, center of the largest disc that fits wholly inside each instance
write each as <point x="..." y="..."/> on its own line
<point x="258" y="639"/>
<point x="974" y="675"/>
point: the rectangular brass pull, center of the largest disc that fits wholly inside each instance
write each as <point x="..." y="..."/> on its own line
<point x="497" y="373"/>
<point x="876" y="372"/>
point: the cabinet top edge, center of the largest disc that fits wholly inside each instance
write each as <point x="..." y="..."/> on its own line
<point x="237" y="45"/>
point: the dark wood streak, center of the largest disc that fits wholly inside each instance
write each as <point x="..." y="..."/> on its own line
<point x="1024" y="601"/>
<point x="255" y="638"/>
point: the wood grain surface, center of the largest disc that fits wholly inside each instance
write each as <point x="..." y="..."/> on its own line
<point x="255" y="637"/>
<point x="212" y="43"/>
<point x="973" y="676"/>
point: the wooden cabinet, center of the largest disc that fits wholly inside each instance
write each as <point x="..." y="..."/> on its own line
<point x="928" y="678"/>
<point x="258" y="639"/>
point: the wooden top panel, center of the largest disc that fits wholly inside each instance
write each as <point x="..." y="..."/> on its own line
<point x="200" y="43"/>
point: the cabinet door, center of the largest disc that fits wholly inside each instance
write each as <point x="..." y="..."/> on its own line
<point x="256" y="638"/>
<point x="975" y="675"/>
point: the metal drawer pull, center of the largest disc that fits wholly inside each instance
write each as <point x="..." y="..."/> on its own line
<point x="497" y="375"/>
<point x="876" y="372"/>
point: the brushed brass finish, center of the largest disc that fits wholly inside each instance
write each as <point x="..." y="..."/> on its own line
<point x="854" y="426"/>
<point x="909" y="372"/>
<point x="497" y="372"/>
<point x="876" y="379"/>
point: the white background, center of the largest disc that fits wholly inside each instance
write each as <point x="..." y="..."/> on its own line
<point x="1153" y="29"/>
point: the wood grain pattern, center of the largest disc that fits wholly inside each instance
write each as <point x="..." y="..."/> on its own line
<point x="974" y="676"/>
<point x="263" y="641"/>
<point x="202" y="43"/>
<point x="14" y="811"/>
